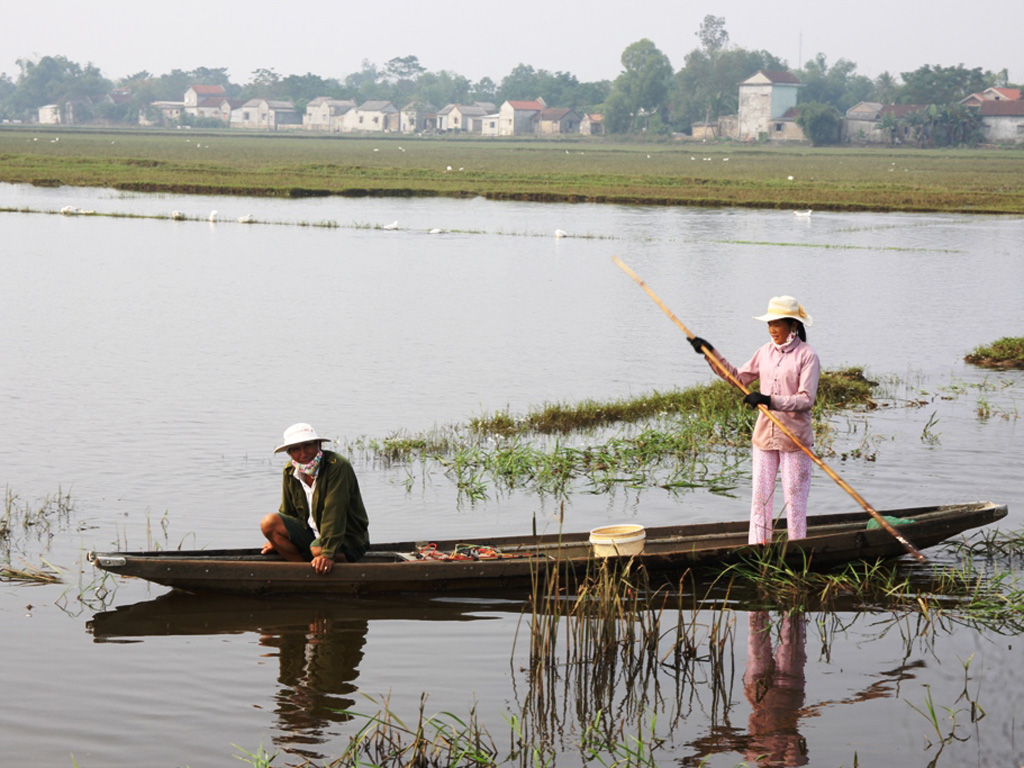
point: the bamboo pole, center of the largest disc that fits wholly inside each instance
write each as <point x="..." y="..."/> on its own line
<point x="727" y="375"/>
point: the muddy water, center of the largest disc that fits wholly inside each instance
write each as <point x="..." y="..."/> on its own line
<point x="150" y="366"/>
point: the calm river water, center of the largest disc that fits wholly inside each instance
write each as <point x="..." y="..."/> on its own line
<point x="150" y="367"/>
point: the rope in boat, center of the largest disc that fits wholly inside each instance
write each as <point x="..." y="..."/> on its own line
<point x="467" y="552"/>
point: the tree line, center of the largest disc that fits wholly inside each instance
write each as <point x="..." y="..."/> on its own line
<point x="649" y="96"/>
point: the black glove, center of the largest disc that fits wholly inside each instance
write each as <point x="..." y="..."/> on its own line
<point x="755" y="399"/>
<point x="697" y="342"/>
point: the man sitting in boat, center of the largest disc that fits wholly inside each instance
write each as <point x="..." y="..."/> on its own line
<point x="322" y="519"/>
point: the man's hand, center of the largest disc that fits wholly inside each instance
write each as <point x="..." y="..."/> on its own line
<point x="268" y="548"/>
<point x="322" y="565"/>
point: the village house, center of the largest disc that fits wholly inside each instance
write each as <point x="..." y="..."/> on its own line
<point x="992" y="94"/>
<point x="866" y="122"/>
<point x="767" y="107"/>
<point x="265" y="115"/>
<point x="417" y="117"/>
<point x="198" y="94"/>
<point x="467" y="118"/>
<point x="326" y="114"/>
<point x="217" y="108"/>
<point x="515" y="118"/>
<point x="555" y="121"/>
<point x="50" y="114"/>
<point x="161" y="113"/>
<point x="592" y="125"/>
<point x="1002" y="121"/>
<point x="375" y="116"/>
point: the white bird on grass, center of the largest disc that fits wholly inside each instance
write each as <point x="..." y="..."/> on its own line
<point x="435" y="231"/>
<point x="560" y="233"/>
<point x="212" y="216"/>
<point x="177" y="215"/>
<point x="392" y="225"/>
<point x="247" y="219"/>
<point x="805" y="214"/>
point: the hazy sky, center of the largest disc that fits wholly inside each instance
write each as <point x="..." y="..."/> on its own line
<point x="331" y="38"/>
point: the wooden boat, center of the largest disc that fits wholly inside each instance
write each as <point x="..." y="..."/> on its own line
<point x="515" y="561"/>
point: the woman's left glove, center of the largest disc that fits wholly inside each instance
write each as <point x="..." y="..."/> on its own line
<point x="755" y="399"/>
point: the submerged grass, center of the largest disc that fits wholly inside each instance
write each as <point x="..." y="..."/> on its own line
<point x="675" y="440"/>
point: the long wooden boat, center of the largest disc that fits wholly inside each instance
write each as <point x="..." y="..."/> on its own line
<point x="515" y="561"/>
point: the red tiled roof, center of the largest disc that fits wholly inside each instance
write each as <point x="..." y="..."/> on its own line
<point x="1002" y="108"/>
<point x="527" y="105"/>
<point x="208" y="90"/>
<point x="1013" y="94"/>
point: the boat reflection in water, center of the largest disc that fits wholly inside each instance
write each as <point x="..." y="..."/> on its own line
<point x="774" y="686"/>
<point x="319" y="644"/>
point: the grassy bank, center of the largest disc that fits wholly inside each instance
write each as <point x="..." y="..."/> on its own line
<point x="568" y="170"/>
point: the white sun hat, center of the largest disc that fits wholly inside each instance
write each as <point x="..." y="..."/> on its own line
<point x="785" y="306"/>
<point x="297" y="434"/>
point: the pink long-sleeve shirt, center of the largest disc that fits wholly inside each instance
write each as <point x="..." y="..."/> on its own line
<point x="790" y="377"/>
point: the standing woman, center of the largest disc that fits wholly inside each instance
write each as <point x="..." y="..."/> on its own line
<point x="788" y="369"/>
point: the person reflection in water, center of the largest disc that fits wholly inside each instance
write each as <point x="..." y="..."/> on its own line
<point x="774" y="685"/>
<point x="319" y="664"/>
<point x="322" y="519"/>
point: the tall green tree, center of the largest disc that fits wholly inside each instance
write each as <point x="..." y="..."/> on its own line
<point x="706" y="88"/>
<point x="640" y="92"/>
<point x="942" y="85"/>
<point x="838" y="85"/>
<point x="821" y="123"/>
<point x="441" y="88"/>
<point x="56" y="80"/>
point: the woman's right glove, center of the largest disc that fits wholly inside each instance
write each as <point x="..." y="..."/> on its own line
<point x="697" y="342"/>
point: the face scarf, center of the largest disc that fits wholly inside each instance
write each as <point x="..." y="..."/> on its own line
<point x="788" y="342"/>
<point x="309" y="468"/>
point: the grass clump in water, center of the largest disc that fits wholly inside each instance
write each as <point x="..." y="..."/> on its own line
<point x="838" y="389"/>
<point x="1007" y="352"/>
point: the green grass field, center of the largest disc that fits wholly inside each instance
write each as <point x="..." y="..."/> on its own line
<point x="570" y="169"/>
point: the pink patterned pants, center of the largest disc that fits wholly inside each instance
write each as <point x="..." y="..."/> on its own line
<point x="796" y="486"/>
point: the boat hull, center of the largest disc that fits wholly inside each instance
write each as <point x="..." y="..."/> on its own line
<point x="669" y="551"/>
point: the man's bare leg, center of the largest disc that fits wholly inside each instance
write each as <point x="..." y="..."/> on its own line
<point x="274" y="529"/>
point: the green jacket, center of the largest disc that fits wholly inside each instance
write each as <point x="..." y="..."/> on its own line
<point x="337" y="506"/>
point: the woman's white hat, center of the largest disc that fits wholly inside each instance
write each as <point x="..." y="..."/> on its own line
<point x="785" y="306"/>
<point x="297" y="434"/>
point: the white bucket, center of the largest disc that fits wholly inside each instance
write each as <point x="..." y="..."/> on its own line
<point x="618" y="540"/>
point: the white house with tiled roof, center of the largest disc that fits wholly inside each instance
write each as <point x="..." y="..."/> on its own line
<point x="515" y="118"/>
<point x="555" y="121"/>
<point x="327" y="114"/>
<point x="375" y="116"/>
<point x="198" y="93"/>
<point x="265" y="115"/>
<point x="766" y="104"/>
<point x="467" y="118"/>
<point x="1002" y="121"/>
<point x="417" y="116"/>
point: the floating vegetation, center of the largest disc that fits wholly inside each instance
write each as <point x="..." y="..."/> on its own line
<point x="1007" y="352"/>
<point x="678" y="440"/>
<point x="29" y="574"/>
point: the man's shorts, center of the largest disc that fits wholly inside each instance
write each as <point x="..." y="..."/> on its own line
<point x="300" y="534"/>
<point x="303" y="538"/>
